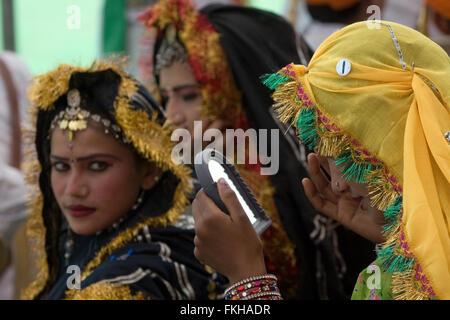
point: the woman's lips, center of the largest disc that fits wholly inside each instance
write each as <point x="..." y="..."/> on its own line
<point x="80" y="211"/>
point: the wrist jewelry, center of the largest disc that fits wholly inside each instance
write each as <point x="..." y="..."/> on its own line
<point x="262" y="287"/>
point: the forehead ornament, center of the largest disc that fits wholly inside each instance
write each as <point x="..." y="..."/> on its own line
<point x="171" y="50"/>
<point x="74" y="118"/>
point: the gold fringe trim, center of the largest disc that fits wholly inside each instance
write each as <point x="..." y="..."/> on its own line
<point x="392" y="235"/>
<point x="58" y="80"/>
<point x="104" y="291"/>
<point x="404" y="288"/>
<point x="381" y="193"/>
<point x="35" y="224"/>
<point x="286" y="104"/>
<point x="332" y="145"/>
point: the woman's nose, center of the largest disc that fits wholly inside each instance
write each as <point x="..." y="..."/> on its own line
<point x="76" y="186"/>
<point x="174" y="113"/>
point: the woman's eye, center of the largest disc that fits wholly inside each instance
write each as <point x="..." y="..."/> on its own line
<point x="60" y="166"/>
<point x="98" y="166"/>
<point x="190" y="96"/>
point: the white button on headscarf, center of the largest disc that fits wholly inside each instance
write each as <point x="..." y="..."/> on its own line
<point x="343" y="67"/>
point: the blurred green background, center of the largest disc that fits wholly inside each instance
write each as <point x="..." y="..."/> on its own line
<point x="49" y="32"/>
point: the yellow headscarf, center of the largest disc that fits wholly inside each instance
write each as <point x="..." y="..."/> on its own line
<point x="384" y="113"/>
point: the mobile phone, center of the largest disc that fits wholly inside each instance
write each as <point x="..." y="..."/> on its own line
<point x="210" y="165"/>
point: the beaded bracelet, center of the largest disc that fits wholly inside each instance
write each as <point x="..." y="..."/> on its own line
<point x="251" y="279"/>
<point x="254" y="287"/>
<point x="265" y="288"/>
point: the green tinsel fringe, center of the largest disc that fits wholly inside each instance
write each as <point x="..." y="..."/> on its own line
<point x="391" y="213"/>
<point x="272" y="81"/>
<point x="306" y="124"/>
<point x="352" y="170"/>
<point x="392" y="262"/>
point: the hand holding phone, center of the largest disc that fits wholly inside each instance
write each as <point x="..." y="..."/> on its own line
<point x="210" y="166"/>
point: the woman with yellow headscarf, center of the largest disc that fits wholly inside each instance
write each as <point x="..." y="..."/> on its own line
<point x="373" y="105"/>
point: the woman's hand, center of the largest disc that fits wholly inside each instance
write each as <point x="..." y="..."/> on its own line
<point x="227" y="243"/>
<point x="355" y="214"/>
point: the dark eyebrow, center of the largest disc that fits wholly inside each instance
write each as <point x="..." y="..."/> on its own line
<point x="181" y="87"/>
<point x="90" y="157"/>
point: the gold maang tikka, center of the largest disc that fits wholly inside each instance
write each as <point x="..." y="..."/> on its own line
<point x="74" y="118"/>
<point x="171" y="50"/>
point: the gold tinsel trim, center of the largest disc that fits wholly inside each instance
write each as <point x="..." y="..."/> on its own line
<point x="382" y="195"/>
<point x="48" y="87"/>
<point x="104" y="291"/>
<point x="332" y="145"/>
<point x="404" y="287"/>
<point x="149" y="138"/>
<point x="35" y="225"/>
<point x="286" y="104"/>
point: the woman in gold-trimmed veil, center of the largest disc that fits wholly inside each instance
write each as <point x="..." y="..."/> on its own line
<point x="107" y="205"/>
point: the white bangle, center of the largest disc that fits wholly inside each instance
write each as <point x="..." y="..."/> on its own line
<point x="262" y="294"/>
